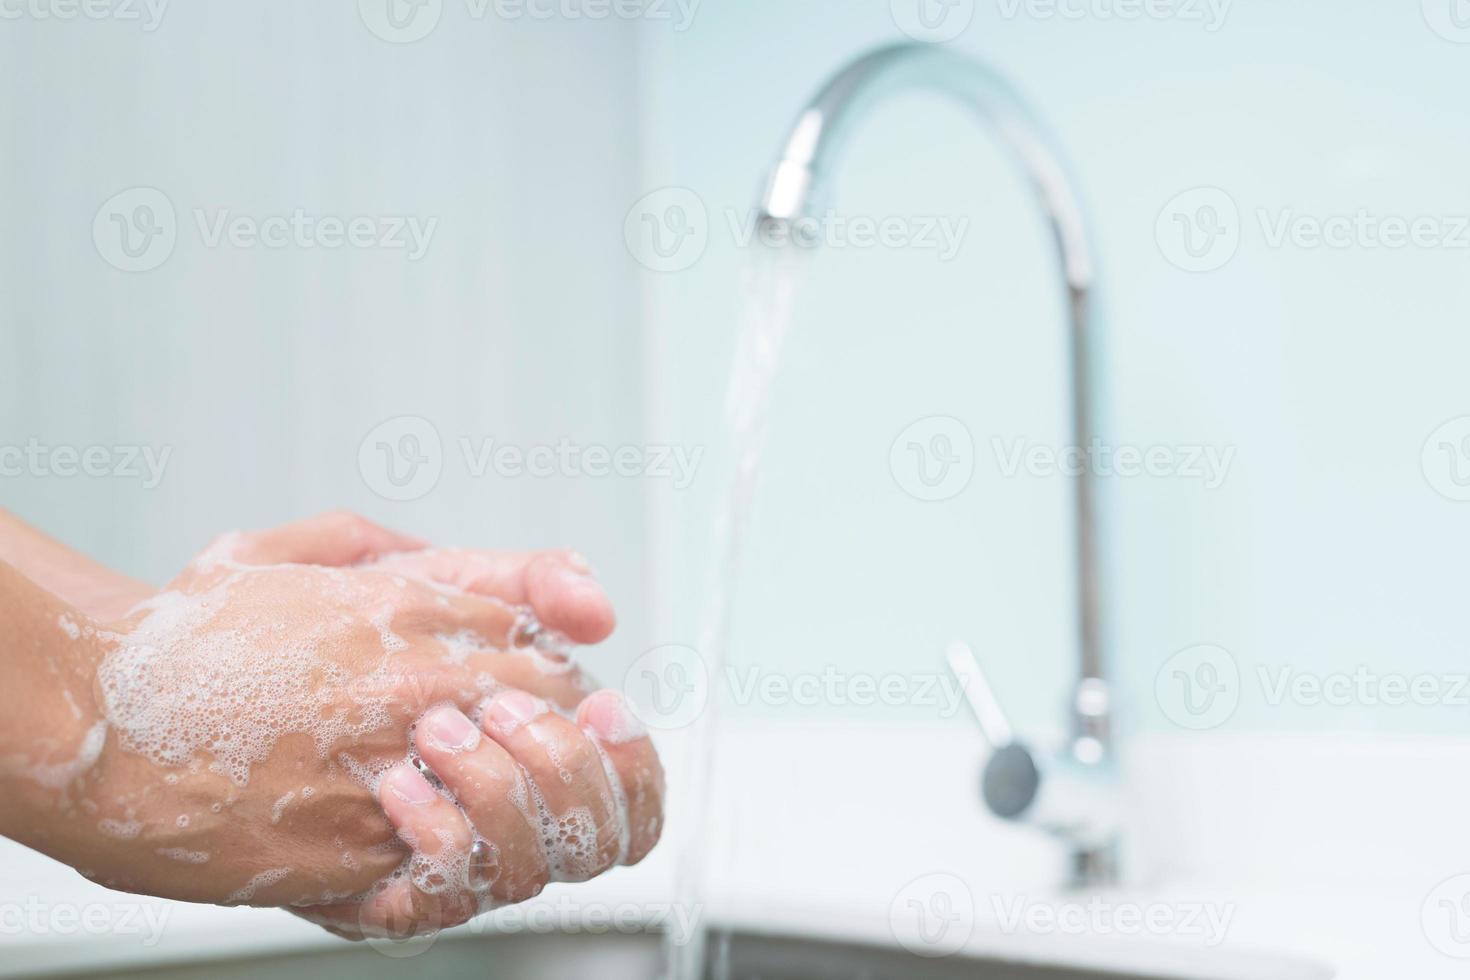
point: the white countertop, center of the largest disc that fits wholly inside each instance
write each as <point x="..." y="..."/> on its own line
<point x="1345" y="888"/>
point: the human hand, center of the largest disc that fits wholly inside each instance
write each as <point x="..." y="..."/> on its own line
<point x="324" y="671"/>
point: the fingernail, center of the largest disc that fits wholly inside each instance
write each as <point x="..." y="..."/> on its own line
<point x="451" y="730"/>
<point x="406" y="784"/>
<point x="610" y="719"/>
<point x="512" y="709"/>
<point x="579" y="562"/>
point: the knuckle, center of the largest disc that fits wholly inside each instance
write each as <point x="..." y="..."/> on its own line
<point x="353" y="527"/>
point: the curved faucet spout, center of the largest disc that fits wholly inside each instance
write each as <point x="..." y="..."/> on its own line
<point x="795" y="192"/>
<point x="797" y="183"/>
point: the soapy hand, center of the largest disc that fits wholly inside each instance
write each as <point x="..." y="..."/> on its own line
<point x="259" y="724"/>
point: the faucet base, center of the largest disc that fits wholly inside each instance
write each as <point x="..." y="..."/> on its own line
<point x="1094" y="867"/>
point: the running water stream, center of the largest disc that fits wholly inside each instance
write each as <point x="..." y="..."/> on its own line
<point x="770" y="284"/>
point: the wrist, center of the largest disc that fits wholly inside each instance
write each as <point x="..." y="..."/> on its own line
<point x="66" y="573"/>
<point x="51" y="727"/>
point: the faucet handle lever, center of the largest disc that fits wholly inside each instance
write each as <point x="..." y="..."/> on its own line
<point x="979" y="694"/>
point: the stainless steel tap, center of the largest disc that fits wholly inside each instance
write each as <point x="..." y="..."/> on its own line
<point x="1070" y="794"/>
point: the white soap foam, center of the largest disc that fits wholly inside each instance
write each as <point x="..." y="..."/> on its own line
<point x="183" y="854"/>
<point x="175" y="688"/>
<point x="263" y="880"/>
<point x="121" y="829"/>
<point x="619" y="800"/>
<point x="279" y="807"/>
<point x="59" y="775"/>
<point x="569" y="839"/>
<point x="392" y="642"/>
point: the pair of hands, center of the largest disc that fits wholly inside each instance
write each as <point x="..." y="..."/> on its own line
<point x="527" y="776"/>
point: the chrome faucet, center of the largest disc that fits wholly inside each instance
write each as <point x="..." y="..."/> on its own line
<point x="1071" y="795"/>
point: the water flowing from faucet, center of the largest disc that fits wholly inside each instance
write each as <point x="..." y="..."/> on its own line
<point x="771" y="279"/>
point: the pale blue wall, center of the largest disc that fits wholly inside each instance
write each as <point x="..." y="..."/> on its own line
<point x="1325" y="369"/>
<point x="264" y="369"/>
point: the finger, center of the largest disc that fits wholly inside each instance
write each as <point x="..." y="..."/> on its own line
<point x="481" y="636"/>
<point x="335" y="538"/>
<point x="559" y="586"/>
<point x="396" y="911"/>
<point x="340" y="920"/>
<point x="440" y="838"/>
<point x="576" y="811"/>
<point x="551" y="676"/>
<point x="634" y="768"/>
<point x="492" y="788"/>
<point x="465" y="623"/>
<point x="566" y="598"/>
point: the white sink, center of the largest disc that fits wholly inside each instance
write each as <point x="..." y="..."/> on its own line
<point x="744" y="956"/>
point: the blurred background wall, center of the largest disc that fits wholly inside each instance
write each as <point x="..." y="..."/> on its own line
<point x="266" y="368"/>
<point x="1329" y="544"/>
